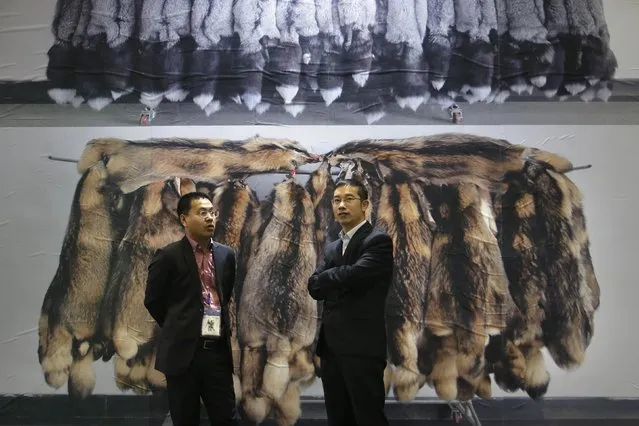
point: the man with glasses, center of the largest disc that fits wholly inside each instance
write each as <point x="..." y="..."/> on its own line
<point x="353" y="282"/>
<point x="188" y="288"/>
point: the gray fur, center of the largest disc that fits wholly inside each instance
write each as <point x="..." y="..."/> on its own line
<point x="178" y="15"/>
<point x="580" y="20"/>
<point x="79" y="36"/>
<point x="338" y="36"/>
<point x="525" y="22"/>
<point x="441" y="18"/>
<point x="357" y="14"/>
<point x="401" y="24"/>
<point x="467" y="16"/>
<point x="502" y="17"/>
<point x="421" y="14"/>
<point x="488" y="19"/>
<point x="66" y="19"/>
<point x="219" y="22"/>
<point x="556" y="18"/>
<point x="285" y="23"/>
<point x="201" y="8"/>
<point x="304" y="18"/>
<point x="151" y="21"/>
<point x="597" y="10"/>
<point x="381" y="14"/>
<point x="324" y="16"/>
<point x="126" y="19"/>
<point x="246" y="14"/>
<point x="103" y="19"/>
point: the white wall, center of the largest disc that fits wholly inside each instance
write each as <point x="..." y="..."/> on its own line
<point x="36" y="195"/>
<point x="26" y="37"/>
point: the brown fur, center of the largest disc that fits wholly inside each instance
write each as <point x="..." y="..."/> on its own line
<point x="133" y="164"/>
<point x="152" y="225"/>
<point x="287" y="409"/>
<point x="590" y="291"/>
<point x="239" y="210"/>
<point x="276" y="312"/>
<point x="468" y="298"/>
<point x="404" y="214"/>
<point x="450" y="158"/>
<point x="450" y="352"/>
<point x="320" y="187"/>
<point x="514" y="355"/>
<point x="71" y="305"/>
<point x="567" y="326"/>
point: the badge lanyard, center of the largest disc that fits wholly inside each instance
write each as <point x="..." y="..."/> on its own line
<point x="211" y="321"/>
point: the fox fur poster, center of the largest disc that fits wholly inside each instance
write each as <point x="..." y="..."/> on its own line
<point x="492" y="263"/>
<point x="290" y="53"/>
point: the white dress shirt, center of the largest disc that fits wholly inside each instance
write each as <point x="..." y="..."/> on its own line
<point x="346" y="237"/>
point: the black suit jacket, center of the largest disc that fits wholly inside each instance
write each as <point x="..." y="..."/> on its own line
<point x="174" y="299"/>
<point x="354" y="287"/>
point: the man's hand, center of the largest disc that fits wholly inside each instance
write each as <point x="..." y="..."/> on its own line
<point x="314" y="289"/>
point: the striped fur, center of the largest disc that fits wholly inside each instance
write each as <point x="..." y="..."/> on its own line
<point x="504" y="271"/>
<point x="404" y="214"/>
<point x="516" y="355"/>
<point x="277" y="318"/>
<point x="467" y="298"/>
<point x="153" y="224"/>
<point x="239" y="214"/>
<point x="133" y="164"/>
<point x="69" y="319"/>
<point x="445" y="159"/>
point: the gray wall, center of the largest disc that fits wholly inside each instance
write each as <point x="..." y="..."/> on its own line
<point x="36" y="193"/>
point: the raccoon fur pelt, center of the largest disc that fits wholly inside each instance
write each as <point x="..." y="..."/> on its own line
<point x="277" y="318"/>
<point x="496" y="264"/>
<point x="289" y="53"/>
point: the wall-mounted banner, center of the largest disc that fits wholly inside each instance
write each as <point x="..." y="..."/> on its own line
<point x="291" y="53"/>
<point x="492" y="262"/>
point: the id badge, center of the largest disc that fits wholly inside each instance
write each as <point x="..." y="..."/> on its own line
<point x="211" y="323"/>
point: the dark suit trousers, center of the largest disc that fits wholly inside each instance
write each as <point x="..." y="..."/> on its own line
<point x="210" y="377"/>
<point x="353" y="389"/>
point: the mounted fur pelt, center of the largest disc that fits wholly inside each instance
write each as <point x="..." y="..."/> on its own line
<point x="493" y="262"/>
<point x="273" y="54"/>
<point x="404" y="213"/>
<point x="208" y="160"/>
<point x="69" y="327"/>
<point x="277" y="320"/>
<point x="236" y="227"/>
<point x="128" y="330"/>
<point x="449" y="158"/>
<point x="467" y="300"/>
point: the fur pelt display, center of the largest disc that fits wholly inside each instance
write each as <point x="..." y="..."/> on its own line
<point x="365" y="53"/>
<point x="492" y="263"/>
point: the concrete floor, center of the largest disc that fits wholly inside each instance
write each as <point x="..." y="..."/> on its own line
<point x="188" y="114"/>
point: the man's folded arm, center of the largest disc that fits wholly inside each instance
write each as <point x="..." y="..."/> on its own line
<point x="376" y="260"/>
<point x="313" y="287"/>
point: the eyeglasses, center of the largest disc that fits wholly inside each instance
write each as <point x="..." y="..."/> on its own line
<point x="347" y="200"/>
<point x="205" y="213"/>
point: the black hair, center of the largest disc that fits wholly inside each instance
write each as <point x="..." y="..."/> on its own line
<point x="184" y="205"/>
<point x="361" y="188"/>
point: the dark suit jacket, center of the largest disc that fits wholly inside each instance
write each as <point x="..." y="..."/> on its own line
<point x="353" y="288"/>
<point x="174" y="299"/>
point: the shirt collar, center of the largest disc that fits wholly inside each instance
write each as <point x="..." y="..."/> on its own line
<point x="195" y="245"/>
<point x="348" y="235"/>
